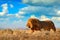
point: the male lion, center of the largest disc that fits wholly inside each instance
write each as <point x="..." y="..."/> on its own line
<point x="35" y="24"/>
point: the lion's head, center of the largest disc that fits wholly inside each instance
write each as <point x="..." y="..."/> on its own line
<point x="33" y="23"/>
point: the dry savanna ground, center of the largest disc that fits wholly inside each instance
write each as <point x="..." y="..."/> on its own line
<point x="9" y="34"/>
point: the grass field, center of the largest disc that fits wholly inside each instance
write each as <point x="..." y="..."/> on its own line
<point x="9" y="34"/>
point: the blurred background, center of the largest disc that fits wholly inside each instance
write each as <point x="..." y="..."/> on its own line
<point x="15" y="13"/>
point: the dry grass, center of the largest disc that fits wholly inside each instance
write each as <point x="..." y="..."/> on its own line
<point x="9" y="34"/>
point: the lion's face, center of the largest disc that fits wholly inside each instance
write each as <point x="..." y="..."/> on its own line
<point x="29" y="24"/>
<point x="32" y="23"/>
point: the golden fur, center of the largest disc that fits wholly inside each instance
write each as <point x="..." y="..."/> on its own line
<point x="35" y="24"/>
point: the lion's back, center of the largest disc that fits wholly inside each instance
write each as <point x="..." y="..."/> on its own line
<point x="47" y="25"/>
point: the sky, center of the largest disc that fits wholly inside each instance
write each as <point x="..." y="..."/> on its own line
<point x="15" y="13"/>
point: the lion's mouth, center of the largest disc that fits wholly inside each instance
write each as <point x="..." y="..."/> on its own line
<point x="29" y="26"/>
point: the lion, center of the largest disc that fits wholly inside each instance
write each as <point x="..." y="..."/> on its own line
<point x="35" y="24"/>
